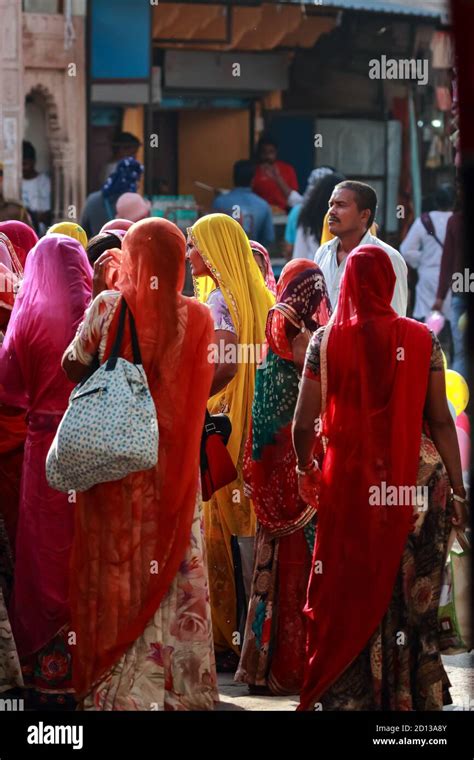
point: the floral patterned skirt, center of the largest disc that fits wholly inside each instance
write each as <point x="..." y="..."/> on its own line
<point x="401" y="667"/>
<point x="171" y="666"/>
<point x="273" y="652"/>
<point x="48" y="675"/>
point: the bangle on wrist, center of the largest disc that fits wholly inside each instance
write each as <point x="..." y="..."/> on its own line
<point x="460" y="499"/>
<point x="306" y="468"/>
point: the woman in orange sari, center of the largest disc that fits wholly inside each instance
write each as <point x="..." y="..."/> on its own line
<point x="139" y="592"/>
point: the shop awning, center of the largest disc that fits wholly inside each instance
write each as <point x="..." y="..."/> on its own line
<point x="265" y="27"/>
<point x="430" y="8"/>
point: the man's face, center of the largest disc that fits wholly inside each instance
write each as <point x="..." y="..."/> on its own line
<point x="125" y="151"/>
<point x="28" y="167"/>
<point x="268" y="154"/>
<point x="344" y="215"/>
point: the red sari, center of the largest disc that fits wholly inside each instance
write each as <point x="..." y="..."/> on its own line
<point x="374" y="377"/>
<point x="12" y="421"/>
<point x="125" y="525"/>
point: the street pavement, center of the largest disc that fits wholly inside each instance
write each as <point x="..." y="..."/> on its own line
<point x="460" y="670"/>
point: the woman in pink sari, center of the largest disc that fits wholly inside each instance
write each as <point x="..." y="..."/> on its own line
<point x="54" y="295"/>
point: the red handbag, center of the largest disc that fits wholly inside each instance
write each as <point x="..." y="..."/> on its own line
<point x="217" y="467"/>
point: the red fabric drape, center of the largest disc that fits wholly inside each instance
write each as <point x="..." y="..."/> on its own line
<point x="377" y="375"/>
<point x="131" y="534"/>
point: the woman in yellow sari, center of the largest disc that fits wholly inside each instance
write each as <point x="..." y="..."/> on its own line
<point x="227" y="278"/>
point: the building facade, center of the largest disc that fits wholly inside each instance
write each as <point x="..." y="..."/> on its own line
<point x="43" y="96"/>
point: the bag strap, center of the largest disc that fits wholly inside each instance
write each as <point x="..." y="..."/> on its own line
<point x="209" y="425"/>
<point x="137" y="357"/>
<point x="427" y="223"/>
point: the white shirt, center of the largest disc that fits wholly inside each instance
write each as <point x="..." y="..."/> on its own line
<point x="36" y="193"/>
<point x="326" y="259"/>
<point x="305" y="245"/>
<point x="421" y="251"/>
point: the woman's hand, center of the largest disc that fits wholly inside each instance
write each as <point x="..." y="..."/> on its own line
<point x="308" y="486"/>
<point x="460" y="518"/>
<point x="100" y="267"/>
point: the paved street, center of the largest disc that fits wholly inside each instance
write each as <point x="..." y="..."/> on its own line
<point x="460" y="669"/>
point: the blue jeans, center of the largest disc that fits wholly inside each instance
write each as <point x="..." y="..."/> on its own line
<point x="458" y="307"/>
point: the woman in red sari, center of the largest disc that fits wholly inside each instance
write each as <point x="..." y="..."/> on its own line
<point x="48" y="308"/>
<point x="12" y="420"/>
<point x="139" y="586"/>
<point x="22" y="236"/>
<point x="373" y="597"/>
<point x="12" y="440"/>
<point x="273" y="649"/>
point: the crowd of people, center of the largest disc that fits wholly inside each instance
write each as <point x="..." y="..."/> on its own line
<point x="134" y="593"/>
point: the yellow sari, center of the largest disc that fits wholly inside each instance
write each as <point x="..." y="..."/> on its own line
<point x="225" y="249"/>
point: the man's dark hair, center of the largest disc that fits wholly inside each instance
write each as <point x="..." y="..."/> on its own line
<point x="444" y="197"/>
<point x="102" y="242"/>
<point x="243" y="173"/>
<point x="366" y="197"/>
<point x="126" y="138"/>
<point x="315" y="207"/>
<point x="266" y="139"/>
<point x="29" y="151"/>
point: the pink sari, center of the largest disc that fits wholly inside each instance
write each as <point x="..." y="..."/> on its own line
<point x="50" y="305"/>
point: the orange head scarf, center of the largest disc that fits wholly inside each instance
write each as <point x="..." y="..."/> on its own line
<point x="131" y="535"/>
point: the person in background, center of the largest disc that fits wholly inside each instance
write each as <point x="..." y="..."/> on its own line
<point x="312" y="216"/>
<point x="100" y="206"/>
<point x="275" y="181"/>
<point x="352" y="209"/>
<point x="55" y="292"/>
<point x="452" y="262"/>
<point x="35" y="190"/>
<point x="72" y="230"/>
<point x="133" y="207"/>
<point x="123" y="146"/>
<point x="244" y="205"/>
<point x="293" y="214"/>
<point x="388" y="495"/>
<point x="422" y="250"/>
<point x="11" y="209"/>
<point x="262" y="258"/>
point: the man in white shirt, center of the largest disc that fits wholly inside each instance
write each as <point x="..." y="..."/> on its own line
<point x="422" y="249"/>
<point x="352" y="208"/>
<point x="35" y="190"/>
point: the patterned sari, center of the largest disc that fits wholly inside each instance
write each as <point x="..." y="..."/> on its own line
<point x="274" y="642"/>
